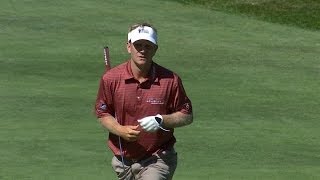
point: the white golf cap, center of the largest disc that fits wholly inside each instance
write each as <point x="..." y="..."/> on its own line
<point x="143" y="32"/>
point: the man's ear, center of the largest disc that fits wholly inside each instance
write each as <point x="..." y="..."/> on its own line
<point x="129" y="47"/>
<point x="155" y="49"/>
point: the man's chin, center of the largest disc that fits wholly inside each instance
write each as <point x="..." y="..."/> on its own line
<point x="143" y="61"/>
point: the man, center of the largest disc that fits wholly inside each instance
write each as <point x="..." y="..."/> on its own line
<point x="140" y="103"/>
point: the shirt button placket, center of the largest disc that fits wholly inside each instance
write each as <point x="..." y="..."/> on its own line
<point x="139" y="95"/>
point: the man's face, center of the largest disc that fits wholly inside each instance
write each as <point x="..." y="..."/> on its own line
<point x="142" y="51"/>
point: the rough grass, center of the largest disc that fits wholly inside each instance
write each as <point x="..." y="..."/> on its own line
<point x="301" y="13"/>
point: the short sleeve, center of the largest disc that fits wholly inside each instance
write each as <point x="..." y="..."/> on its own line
<point x="181" y="101"/>
<point x="104" y="104"/>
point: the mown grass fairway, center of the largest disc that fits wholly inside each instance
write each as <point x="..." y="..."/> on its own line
<point x="254" y="87"/>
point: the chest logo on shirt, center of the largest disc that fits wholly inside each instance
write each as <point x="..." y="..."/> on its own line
<point x="155" y="100"/>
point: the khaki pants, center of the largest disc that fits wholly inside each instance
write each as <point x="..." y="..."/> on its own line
<point x="160" y="166"/>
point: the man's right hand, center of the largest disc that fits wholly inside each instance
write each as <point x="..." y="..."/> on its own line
<point x="130" y="133"/>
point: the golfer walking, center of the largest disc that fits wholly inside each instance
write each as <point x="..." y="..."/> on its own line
<point x="140" y="103"/>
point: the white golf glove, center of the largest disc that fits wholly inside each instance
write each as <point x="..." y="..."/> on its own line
<point x="151" y="123"/>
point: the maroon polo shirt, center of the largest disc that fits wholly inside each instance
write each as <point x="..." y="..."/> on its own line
<point x="123" y="97"/>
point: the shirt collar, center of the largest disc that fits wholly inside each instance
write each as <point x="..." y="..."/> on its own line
<point x="153" y="76"/>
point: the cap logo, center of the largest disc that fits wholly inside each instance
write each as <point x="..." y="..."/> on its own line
<point x="142" y="30"/>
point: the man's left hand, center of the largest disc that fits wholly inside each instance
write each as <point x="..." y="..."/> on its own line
<point x="151" y="123"/>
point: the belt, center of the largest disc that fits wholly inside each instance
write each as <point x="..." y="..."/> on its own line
<point x="130" y="161"/>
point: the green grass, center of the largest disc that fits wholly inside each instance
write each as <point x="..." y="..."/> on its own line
<point x="254" y="87"/>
